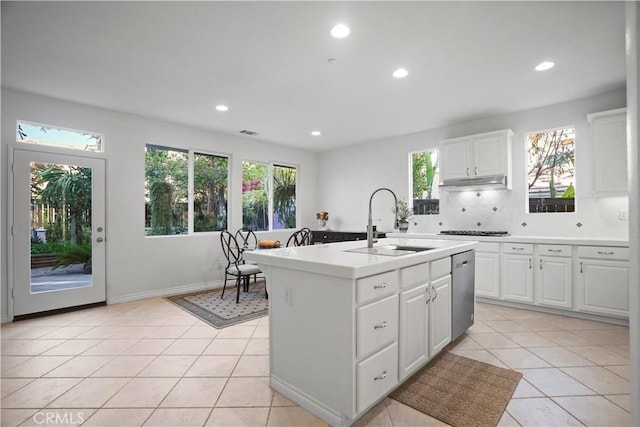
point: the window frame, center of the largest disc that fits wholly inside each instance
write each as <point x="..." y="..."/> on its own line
<point x="526" y="167"/>
<point x="60" y="147"/>
<point x="435" y="182"/>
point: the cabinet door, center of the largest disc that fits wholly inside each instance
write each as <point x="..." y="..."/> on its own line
<point x="610" y="153"/>
<point x="517" y="277"/>
<point x="456" y="160"/>
<point x="489" y="154"/>
<point x="553" y="284"/>
<point x="414" y="329"/>
<point x="440" y="315"/>
<point x="488" y="274"/>
<point x="603" y="287"/>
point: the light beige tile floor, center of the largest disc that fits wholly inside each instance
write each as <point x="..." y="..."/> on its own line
<point x="149" y="363"/>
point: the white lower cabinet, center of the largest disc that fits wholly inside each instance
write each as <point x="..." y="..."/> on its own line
<point x="440" y="315"/>
<point x="603" y="281"/>
<point x="553" y="276"/>
<point x="376" y="376"/>
<point x="414" y="329"/>
<point x="425" y="323"/>
<point x="488" y="270"/>
<point x="517" y="272"/>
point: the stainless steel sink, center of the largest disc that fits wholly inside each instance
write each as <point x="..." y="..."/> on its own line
<point x="391" y="250"/>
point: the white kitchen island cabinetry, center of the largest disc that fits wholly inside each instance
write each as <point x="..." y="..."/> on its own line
<point x="603" y="280"/>
<point x="517" y="272"/>
<point x="553" y="276"/>
<point x="335" y="321"/>
<point x="487" y="154"/>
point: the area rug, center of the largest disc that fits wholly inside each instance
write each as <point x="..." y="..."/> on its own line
<point x="220" y="313"/>
<point x="459" y="391"/>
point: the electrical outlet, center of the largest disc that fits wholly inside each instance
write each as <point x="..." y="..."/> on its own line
<point x="623" y="214"/>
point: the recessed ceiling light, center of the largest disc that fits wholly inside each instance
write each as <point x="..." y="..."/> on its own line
<point x="543" y="66"/>
<point x="316" y="133"/>
<point x="400" y="73"/>
<point x="340" y="31"/>
<point x="222" y="108"/>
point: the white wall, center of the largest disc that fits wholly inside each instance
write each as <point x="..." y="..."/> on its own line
<point x="139" y="266"/>
<point x="348" y="176"/>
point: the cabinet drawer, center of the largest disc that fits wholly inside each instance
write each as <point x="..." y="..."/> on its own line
<point x="414" y="275"/>
<point x="518" y="248"/>
<point x="377" y="325"/>
<point x="488" y="247"/>
<point x="603" y="252"/>
<point x="440" y="268"/>
<point x="372" y="287"/>
<point x="554" y="250"/>
<point x="376" y="376"/>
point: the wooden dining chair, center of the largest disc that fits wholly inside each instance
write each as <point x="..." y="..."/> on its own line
<point x="235" y="264"/>
<point x="301" y="237"/>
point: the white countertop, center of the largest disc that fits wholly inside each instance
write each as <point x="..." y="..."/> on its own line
<point x="331" y="258"/>
<point x="519" y="239"/>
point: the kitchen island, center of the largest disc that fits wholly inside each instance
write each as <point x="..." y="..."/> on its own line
<point x="347" y="327"/>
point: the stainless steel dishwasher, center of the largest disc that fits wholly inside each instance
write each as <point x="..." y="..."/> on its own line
<point x="462" y="292"/>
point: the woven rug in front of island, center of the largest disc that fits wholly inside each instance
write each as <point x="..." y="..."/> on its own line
<point x="459" y="391"/>
<point x="220" y="313"/>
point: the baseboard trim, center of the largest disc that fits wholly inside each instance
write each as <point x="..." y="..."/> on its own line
<point x="165" y="292"/>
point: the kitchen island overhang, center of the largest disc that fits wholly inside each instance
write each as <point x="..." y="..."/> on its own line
<point x="342" y="325"/>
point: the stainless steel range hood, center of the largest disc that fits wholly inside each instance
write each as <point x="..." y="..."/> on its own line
<point x="495" y="182"/>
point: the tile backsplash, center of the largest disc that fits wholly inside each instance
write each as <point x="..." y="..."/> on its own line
<point x="506" y="210"/>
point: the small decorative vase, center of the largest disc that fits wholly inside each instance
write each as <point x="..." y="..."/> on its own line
<point x="322" y="223"/>
<point x="403" y="226"/>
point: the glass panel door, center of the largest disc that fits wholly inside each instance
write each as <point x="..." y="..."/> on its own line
<point x="58" y="231"/>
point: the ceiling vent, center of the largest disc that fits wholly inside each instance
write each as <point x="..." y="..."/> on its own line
<point x="248" y="132"/>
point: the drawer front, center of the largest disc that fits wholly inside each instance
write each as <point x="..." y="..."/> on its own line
<point x="603" y="252"/>
<point x="488" y="247"/>
<point x="440" y="268"/>
<point x="414" y="275"/>
<point x="376" y="376"/>
<point x="377" y="325"/>
<point x="373" y="287"/>
<point x="554" y="250"/>
<point x="518" y="248"/>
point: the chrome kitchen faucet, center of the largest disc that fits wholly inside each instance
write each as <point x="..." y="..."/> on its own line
<point x="370" y="221"/>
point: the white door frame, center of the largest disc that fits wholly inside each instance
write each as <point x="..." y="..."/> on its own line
<point x="53" y="152"/>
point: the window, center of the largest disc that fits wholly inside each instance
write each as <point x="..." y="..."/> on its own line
<point x="551" y="168"/>
<point x="210" y="184"/>
<point x="32" y="133"/>
<point x="167" y="206"/>
<point x="424" y="174"/>
<point x="166" y="184"/>
<point x="263" y="208"/>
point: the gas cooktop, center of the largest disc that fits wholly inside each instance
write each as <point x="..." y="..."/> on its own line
<point x="475" y="233"/>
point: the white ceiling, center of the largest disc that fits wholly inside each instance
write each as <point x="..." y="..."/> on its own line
<point x="267" y="61"/>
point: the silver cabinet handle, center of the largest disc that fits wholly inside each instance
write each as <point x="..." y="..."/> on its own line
<point x="100" y="239"/>
<point x="606" y="253"/>
<point x="380" y="286"/>
<point x="467" y="171"/>
<point x="581" y="267"/>
<point x="429" y="296"/>
<point x="540" y="264"/>
<point x="529" y="263"/>
<point x="382" y="376"/>
<point x="381" y="325"/>
<point x="555" y="251"/>
<point x="475" y="170"/>
<point x="517" y="249"/>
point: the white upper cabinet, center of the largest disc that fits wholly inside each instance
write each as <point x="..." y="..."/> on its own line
<point x="476" y="156"/>
<point x="609" y="134"/>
